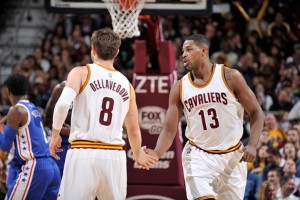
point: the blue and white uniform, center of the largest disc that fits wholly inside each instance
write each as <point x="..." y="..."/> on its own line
<point x="39" y="177"/>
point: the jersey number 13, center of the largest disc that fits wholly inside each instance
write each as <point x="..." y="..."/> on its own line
<point x="213" y="114"/>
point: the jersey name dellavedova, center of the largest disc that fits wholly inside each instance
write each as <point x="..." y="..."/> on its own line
<point x="100" y="108"/>
<point x="210" y="97"/>
<point x="107" y="84"/>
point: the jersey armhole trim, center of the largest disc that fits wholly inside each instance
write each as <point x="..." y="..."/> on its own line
<point x="225" y="81"/>
<point x="87" y="79"/>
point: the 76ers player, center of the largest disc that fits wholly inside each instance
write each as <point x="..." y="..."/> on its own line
<point x="39" y="177"/>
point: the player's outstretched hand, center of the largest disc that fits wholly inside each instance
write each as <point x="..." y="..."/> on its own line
<point x="146" y="160"/>
<point x="249" y="153"/>
<point x="55" y="144"/>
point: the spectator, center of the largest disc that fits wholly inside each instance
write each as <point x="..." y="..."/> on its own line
<point x="211" y="33"/>
<point x="294" y="59"/>
<point x="252" y="186"/>
<point x="280" y="29"/>
<point x="294" y="113"/>
<point x="276" y="134"/>
<point x="293" y="137"/>
<point x="225" y="55"/>
<point x="275" y="160"/>
<point x="289" y="168"/>
<point x="40" y="60"/>
<point x="283" y="100"/>
<point x="289" y="151"/>
<point x="247" y="66"/>
<point x="267" y="191"/>
<point x="235" y="42"/>
<point x="266" y="70"/>
<point x="287" y="187"/>
<point x="265" y="100"/>
<point x="254" y="24"/>
<point x="41" y="94"/>
<point x="274" y="177"/>
<point x="264" y="139"/>
<point x="260" y="162"/>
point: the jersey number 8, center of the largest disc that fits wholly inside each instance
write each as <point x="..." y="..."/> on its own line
<point x="106" y="112"/>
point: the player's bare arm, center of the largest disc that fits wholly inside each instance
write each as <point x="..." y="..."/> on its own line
<point x="51" y="103"/>
<point x="248" y="100"/>
<point x="77" y="77"/>
<point x="134" y="134"/>
<point x="173" y="116"/>
<point x="17" y="116"/>
<point x="75" y="81"/>
<point x="50" y="108"/>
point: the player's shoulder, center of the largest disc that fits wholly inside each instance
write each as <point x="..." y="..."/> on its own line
<point x="176" y="86"/>
<point x="79" y="71"/>
<point x="16" y="112"/>
<point x="231" y="72"/>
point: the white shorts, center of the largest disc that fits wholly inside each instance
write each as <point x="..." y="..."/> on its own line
<point x="219" y="176"/>
<point x="90" y="173"/>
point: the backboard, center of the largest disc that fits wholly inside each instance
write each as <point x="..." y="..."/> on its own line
<point x="151" y="7"/>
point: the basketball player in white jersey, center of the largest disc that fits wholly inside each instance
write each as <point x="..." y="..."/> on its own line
<point x="213" y="98"/>
<point x="103" y="99"/>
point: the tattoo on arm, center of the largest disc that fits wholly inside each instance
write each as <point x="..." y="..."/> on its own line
<point x="228" y="78"/>
<point x="227" y="75"/>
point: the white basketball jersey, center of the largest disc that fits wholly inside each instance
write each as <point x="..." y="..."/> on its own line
<point x="213" y="114"/>
<point x="101" y="106"/>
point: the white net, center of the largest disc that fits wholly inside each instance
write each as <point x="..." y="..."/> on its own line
<point x="124" y="15"/>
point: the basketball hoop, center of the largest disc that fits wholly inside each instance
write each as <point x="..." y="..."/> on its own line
<point x="124" y="15"/>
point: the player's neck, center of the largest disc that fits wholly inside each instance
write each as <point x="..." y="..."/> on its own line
<point x="105" y="63"/>
<point x="204" y="71"/>
<point x="16" y="99"/>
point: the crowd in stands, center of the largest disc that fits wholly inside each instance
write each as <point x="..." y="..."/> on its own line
<point x="261" y="41"/>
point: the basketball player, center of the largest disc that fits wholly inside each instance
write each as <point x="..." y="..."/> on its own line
<point x="213" y="98"/>
<point x="13" y="168"/>
<point x="65" y="131"/>
<point x="39" y="177"/>
<point x="103" y="99"/>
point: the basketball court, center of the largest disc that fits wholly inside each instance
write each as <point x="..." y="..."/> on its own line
<point x="154" y="73"/>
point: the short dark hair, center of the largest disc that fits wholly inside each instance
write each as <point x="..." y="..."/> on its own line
<point x="106" y="42"/>
<point x="17" y="84"/>
<point x="277" y="170"/>
<point x="285" y="179"/>
<point x="273" y="151"/>
<point x="199" y="39"/>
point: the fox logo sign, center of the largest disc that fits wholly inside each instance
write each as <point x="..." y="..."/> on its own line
<point x="151" y="118"/>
